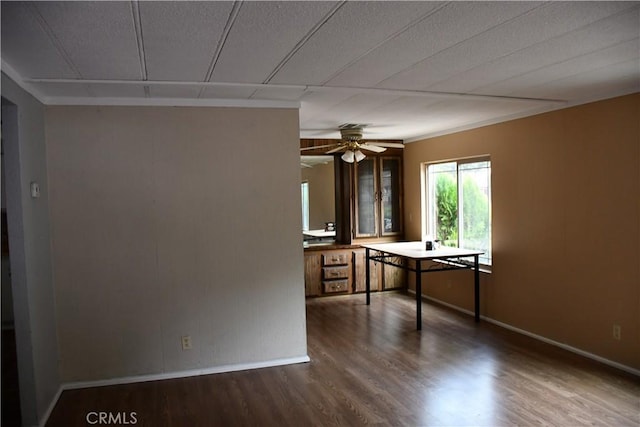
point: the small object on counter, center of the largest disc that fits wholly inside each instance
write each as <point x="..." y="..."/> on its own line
<point x="431" y="245"/>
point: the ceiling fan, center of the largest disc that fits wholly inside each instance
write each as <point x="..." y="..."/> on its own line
<point x="352" y="144"/>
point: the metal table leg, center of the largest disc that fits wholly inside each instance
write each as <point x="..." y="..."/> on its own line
<point x="367" y="280"/>
<point x="418" y="295"/>
<point x="476" y="286"/>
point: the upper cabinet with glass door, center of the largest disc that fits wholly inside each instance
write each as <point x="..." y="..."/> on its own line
<point x="377" y="197"/>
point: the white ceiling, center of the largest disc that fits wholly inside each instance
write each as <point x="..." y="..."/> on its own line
<point x="404" y="69"/>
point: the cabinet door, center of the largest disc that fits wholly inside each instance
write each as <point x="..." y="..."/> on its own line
<point x="374" y="272"/>
<point x="312" y="274"/>
<point x="390" y="196"/>
<point x="393" y="277"/>
<point x="365" y="211"/>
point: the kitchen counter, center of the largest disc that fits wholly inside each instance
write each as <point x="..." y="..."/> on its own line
<point x="328" y="246"/>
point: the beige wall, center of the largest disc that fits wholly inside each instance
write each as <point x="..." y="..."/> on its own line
<point x="566" y="220"/>
<point x="25" y="161"/>
<point x="322" y="201"/>
<point x="171" y="222"/>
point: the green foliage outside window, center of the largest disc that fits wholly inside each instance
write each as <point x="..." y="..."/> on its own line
<point x="447" y="210"/>
<point x="475" y="207"/>
<point x="459" y="204"/>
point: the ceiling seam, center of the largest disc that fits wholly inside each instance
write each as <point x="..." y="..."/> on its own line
<point x="304" y="40"/>
<point x="622" y="12"/>
<point x="306" y="88"/>
<point x="463" y="41"/>
<point x="389" y="38"/>
<point x="233" y="15"/>
<point x="137" y="25"/>
<point x="558" y="63"/>
<point x="56" y="42"/>
<point x="608" y="65"/>
<point x="42" y="22"/>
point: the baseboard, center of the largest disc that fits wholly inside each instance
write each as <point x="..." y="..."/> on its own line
<point x="190" y="373"/>
<point x="575" y="350"/>
<point x="52" y="405"/>
<point x="583" y="353"/>
<point x="172" y="375"/>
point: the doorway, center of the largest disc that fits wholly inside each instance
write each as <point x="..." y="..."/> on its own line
<point x="11" y="402"/>
<point x="10" y="383"/>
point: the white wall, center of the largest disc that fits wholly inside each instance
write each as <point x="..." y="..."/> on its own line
<point x="170" y="222"/>
<point x="30" y="246"/>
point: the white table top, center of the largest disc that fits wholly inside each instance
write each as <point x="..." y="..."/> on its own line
<point x="319" y="233"/>
<point x="416" y="250"/>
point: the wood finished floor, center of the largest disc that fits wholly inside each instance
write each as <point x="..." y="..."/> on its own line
<point x="369" y="366"/>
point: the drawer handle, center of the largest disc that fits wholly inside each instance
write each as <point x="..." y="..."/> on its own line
<point x="335" y="258"/>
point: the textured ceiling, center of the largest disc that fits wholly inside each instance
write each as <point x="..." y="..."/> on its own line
<point x="404" y="69"/>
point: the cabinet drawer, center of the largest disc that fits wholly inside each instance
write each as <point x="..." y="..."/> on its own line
<point x="335" y="286"/>
<point x="341" y="272"/>
<point x="340" y="258"/>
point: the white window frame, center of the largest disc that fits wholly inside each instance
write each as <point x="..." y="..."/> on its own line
<point x="427" y="210"/>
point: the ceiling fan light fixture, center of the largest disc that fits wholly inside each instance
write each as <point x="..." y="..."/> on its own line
<point x="348" y="156"/>
<point x="359" y="155"/>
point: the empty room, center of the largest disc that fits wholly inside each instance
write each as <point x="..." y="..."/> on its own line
<point x="417" y="213"/>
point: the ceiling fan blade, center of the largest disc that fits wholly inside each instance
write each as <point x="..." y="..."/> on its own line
<point x="374" y="148"/>
<point x="386" y="144"/>
<point x="318" y="147"/>
<point x="338" y="148"/>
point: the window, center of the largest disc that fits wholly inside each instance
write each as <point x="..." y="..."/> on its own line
<point x="305" y="206"/>
<point x="458" y="204"/>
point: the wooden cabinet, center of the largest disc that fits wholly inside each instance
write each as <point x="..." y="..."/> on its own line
<point x="335" y="258"/>
<point x="368" y="208"/>
<point x="375" y="272"/>
<point x="312" y="279"/>
<point x="333" y="273"/>
<point x="377" y="198"/>
<point x="327" y="272"/>
<point x="335" y="286"/>
<point x="382" y="277"/>
<point x="369" y="199"/>
<point x="342" y="271"/>
<point x="336" y="272"/>
<point x="393" y="277"/>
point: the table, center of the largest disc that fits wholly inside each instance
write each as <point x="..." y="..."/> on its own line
<point x="318" y="236"/>
<point x="319" y="233"/>
<point x="447" y="259"/>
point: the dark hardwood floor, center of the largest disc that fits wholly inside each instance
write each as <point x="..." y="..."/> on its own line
<point x="369" y="366"/>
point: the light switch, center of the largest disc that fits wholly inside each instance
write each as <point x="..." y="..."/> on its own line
<point x="35" y="190"/>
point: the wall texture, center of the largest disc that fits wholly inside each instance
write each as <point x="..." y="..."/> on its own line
<point x="170" y="222"/>
<point x="566" y="224"/>
<point x="23" y="134"/>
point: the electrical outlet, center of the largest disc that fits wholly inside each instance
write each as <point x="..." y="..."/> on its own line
<point x="186" y="342"/>
<point x="617" y="332"/>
